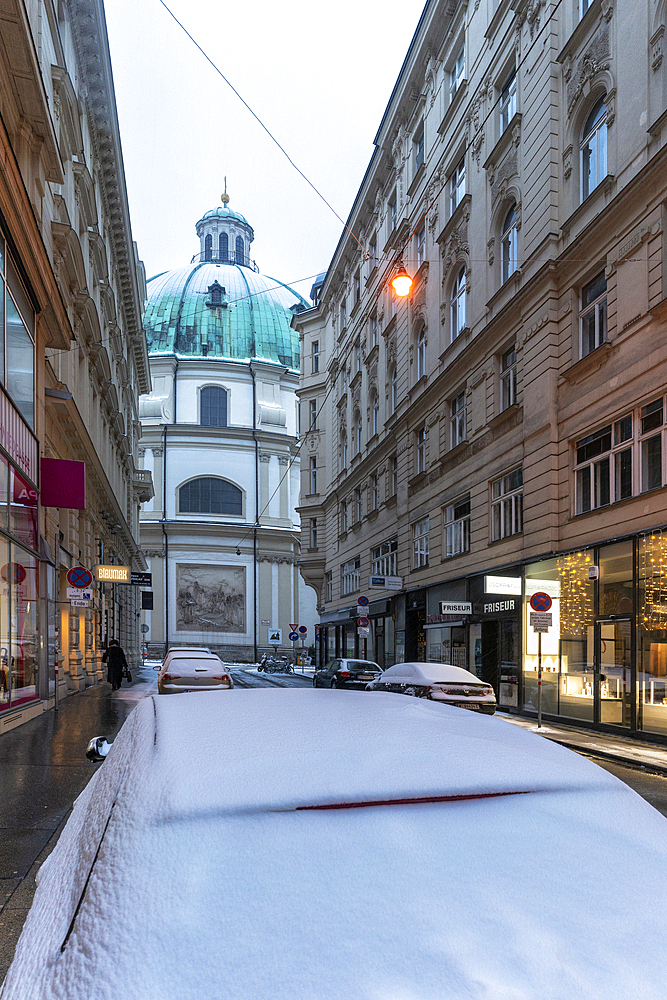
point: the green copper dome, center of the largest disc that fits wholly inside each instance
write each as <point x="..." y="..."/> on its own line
<point x="220" y="306"/>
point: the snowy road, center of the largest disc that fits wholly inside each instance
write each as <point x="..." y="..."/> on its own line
<point x="251" y="679"/>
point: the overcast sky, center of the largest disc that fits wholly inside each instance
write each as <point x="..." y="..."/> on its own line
<point x="318" y="75"/>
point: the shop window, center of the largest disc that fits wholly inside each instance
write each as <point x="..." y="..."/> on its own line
<point x="213" y="406"/>
<point x="457" y="185"/>
<point x="23" y="511"/>
<point x="603" y="472"/>
<point x="616" y="586"/>
<point x="457" y="420"/>
<point x="351" y="576"/>
<point x="508" y="367"/>
<point x="420" y="543"/>
<point x="420" y="438"/>
<point x="652" y="633"/>
<point x="384" y="558"/>
<point x="459" y="304"/>
<point x="508" y="101"/>
<point x="652" y="419"/>
<point x="593" y="315"/>
<point x="594" y="149"/>
<point x="507" y="505"/>
<point x="457" y="527"/>
<point x="208" y="495"/>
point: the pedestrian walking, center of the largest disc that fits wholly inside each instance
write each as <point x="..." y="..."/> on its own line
<point x="114" y="657"/>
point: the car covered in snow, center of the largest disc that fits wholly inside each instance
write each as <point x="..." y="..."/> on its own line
<point x="184" y="671"/>
<point x="314" y="845"/>
<point x="346" y="673"/>
<point x="439" y="682"/>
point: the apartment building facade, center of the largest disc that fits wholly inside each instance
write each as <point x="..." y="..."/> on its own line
<point x="501" y="430"/>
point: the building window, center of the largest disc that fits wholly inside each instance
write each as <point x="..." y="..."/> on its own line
<point x="313" y="532"/>
<point x="393" y="212"/>
<point x="508" y="378"/>
<point x="421" y="245"/>
<point x="223" y="247"/>
<point x="357" y="432"/>
<point x="393" y="390"/>
<point x="393" y="475"/>
<point x="208" y="247"/>
<point x="459" y="304"/>
<point x="343" y="448"/>
<point x="357" y="357"/>
<point x="384" y="558"/>
<point x="375" y="497"/>
<point x="508" y="101"/>
<point x="312" y="424"/>
<point x="508" y="244"/>
<point x="316" y="356"/>
<point x="358" y="511"/>
<point x="457" y="185"/>
<point x="593" y="315"/>
<point x="313" y="475"/>
<point x="343" y="316"/>
<point x="421" y="353"/>
<point x="457" y="419"/>
<point x="208" y="495"/>
<point x="372" y="252"/>
<point x="420" y="438"/>
<point x="420" y="543"/>
<point x="357" y="287"/>
<point x="351" y="576"/>
<point x="603" y="472"/>
<point x="507" y="505"/>
<point x="583" y="7"/>
<point x="418" y="146"/>
<point x="213" y="406"/>
<point x="375" y="413"/>
<point x="457" y="73"/>
<point x="652" y="418"/>
<point x="329" y="587"/>
<point x="594" y="149"/>
<point x="343" y="517"/>
<point x="374" y="330"/>
<point x="240" y="250"/>
<point x="17" y="350"/>
<point x="457" y="528"/>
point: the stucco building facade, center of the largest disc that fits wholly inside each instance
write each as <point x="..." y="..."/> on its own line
<point x="502" y="429"/>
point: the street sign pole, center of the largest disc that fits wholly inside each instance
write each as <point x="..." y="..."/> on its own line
<point x="539" y="680"/>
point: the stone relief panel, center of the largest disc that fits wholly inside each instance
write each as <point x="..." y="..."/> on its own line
<point x="210" y="597"/>
<point x="593" y="61"/>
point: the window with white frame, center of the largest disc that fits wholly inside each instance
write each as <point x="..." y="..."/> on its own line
<point x="393" y="475"/>
<point x="421" y="353"/>
<point x="421" y="245"/>
<point x="393" y="212"/>
<point x="313" y="415"/>
<point x="507" y="505"/>
<point x="459" y="304"/>
<point x="384" y="558"/>
<point x="508" y="244"/>
<point x="594" y="149"/>
<point x="329" y="587"/>
<point x="418" y="148"/>
<point x="508" y="101"/>
<point x="420" y="543"/>
<point x="343" y="517"/>
<point x="457" y="73"/>
<point x="313" y="532"/>
<point x="374" y="330"/>
<point x="313" y="475"/>
<point x="603" y="466"/>
<point x="357" y="432"/>
<point x="375" y="413"/>
<point x="343" y="448"/>
<point x="652" y="445"/>
<point x="343" y="316"/>
<point x="351" y="576"/>
<point x="593" y="314"/>
<point x="457" y="185"/>
<point x="457" y="419"/>
<point x="457" y="527"/>
<point x="375" y="492"/>
<point x="357" y="287"/>
<point x="420" y="443"/>
<point x="316" y="357"/>
<point x="393" y="390"/>
<point x="357" y="357"/>
<point x="508" y="368"/>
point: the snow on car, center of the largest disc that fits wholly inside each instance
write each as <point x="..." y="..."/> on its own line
<point x="184" y="672"/>
<point x="315" y="845"/>
<point x="439" y="682"/>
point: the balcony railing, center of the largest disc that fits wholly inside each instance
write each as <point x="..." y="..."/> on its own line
<point x="225" y="258"/>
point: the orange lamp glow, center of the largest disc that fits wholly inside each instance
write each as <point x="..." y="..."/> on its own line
<point x="402" y="282"/>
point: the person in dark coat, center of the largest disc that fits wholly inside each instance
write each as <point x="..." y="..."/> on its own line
<point x="114" y="657"/>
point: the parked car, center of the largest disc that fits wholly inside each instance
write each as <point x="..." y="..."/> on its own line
<point x="439" y="682"/>
<point x="489" y="862"/>
<point x="346" y="673"/>
<point x="187" y="671"/>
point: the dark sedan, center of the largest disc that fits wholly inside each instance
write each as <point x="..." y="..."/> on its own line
<point x="344" y="673"/>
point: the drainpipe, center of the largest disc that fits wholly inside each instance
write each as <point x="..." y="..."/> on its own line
<point x="254" y="539"/>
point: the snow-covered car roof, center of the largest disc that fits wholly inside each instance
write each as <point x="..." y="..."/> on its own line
<point x="483" y="865"/>
<point x="429" y="673"/>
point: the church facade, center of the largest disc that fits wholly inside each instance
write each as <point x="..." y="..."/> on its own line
<point x="220" y="436"/>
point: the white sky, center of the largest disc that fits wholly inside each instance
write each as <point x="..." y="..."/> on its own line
<point x="318" y="75"/>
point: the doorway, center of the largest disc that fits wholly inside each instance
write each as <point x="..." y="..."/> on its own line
<point x="613" y="675"/>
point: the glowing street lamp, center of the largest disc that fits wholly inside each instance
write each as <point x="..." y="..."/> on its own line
<point x="402" y="282"/>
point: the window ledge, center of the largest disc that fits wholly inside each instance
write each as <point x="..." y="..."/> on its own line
<point x="511" y="136"/>
<point x="454" y="219"/>
<point x="392" y="500"/>
<point x="586" y="366"/>
<point x="372" y="514"/>
<point x="417" y="482"/>
<point x="356" y="526"/>
<point x="417" y="179"/>
<point x="637" y="498"/>
<point x="494" y="23"/>
<point x="398" y="236"/>
<point x="309" y="496"/>
<point x="455" y="103"/>
<point x="510" y="415"/>
<point x="355" y="307"/>
<point x="418" y="569"/>
<point x="454" y="555"/>
<point x="507" y="538"/>
<point x="461" y="341"/>
<point x="604" y="187"/>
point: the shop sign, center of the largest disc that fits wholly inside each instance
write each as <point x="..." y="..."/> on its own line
<point x="502" y="585"/>
<point x="141" y="579"/>
<point x="455" y="608"/>
<point x="113" y="574"/>
<point x="385" y="582"/>
<point x="493" y="607"/>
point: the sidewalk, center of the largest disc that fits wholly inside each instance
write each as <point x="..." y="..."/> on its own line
<point x="622" y="749"/>
<point x="43" y="769"/>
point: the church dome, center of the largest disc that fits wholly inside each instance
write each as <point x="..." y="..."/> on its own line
<point x="220" y="306"/>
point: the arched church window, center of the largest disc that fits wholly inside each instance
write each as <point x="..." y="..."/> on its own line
<point x="213" y="406"/>
<point x="240" y="251"/>
<point x="208" y="247"/>
<point x="223" y="247"/>
<point x="208" y="495"/>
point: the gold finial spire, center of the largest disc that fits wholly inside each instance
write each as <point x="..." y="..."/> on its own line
<point x="224" y="197"/>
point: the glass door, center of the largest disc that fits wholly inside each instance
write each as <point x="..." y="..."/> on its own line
<point x="613" y="675"/>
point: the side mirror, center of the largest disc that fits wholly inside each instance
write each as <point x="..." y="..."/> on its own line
<point x="97" y="749"/>
<point x="158" y="667"/>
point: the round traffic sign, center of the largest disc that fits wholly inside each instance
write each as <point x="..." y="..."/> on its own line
<point x="362" y="622"/>
<point x="293" y="636"/>
<point x="303" y="629"/>
<point x="79" y="576"/>
<point x="540" y="601"/>
<point x="144" y="629"/>
<point x="13" y="573"/>
<point x="363" y="601"/>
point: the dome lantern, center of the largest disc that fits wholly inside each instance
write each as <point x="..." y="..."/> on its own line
<point x="225" y="236"/>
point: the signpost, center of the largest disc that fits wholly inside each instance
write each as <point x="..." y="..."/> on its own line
<point x="80" y="577"/>
<point x="540" y="602"/>
<point x="275" y="636"/>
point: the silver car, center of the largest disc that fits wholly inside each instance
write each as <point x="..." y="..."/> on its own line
<point x="438" y="682"/>
<point x="188" y="671"/>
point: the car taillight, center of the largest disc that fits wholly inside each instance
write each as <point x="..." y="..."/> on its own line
<point x="222" y="677"/>
<point x="343" y="673"/>
<point x="487" y="691"/>
<point x="171" y="677"/>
